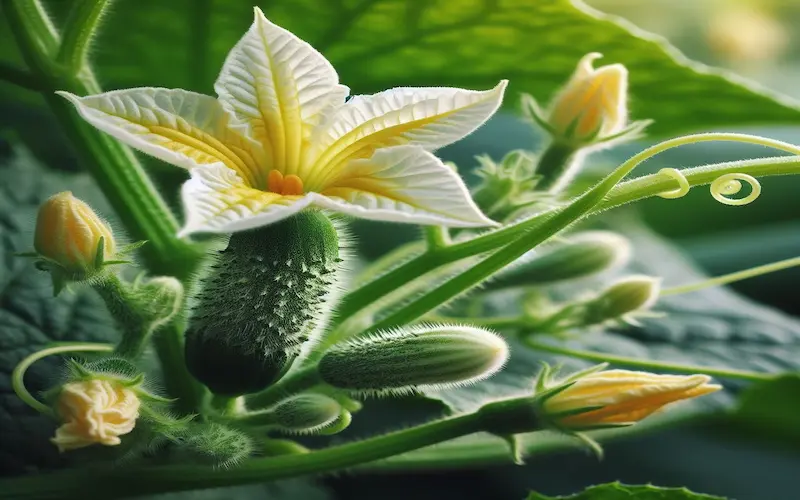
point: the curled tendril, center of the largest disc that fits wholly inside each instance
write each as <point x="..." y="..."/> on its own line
<point x="683" y="184"/>
<point x="721" y="188"/>
<point x="730" y="184"/>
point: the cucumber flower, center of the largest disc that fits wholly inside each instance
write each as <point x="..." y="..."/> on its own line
<point x="282" y="136"/>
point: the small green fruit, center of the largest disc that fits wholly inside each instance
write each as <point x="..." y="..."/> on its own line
<point x="261" y="302"/>
<point x="428" y="356"/>
<point x="628" y="295"/>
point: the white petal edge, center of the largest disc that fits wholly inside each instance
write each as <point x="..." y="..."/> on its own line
<point x="128" y="115"/>
<point x="403" y="184"/>
<point x="211" y="207"/>
<point x="444" y="115"/>
<point x="277" y="88"/>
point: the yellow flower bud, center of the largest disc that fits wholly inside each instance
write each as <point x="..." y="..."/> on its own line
<point x="619" y="397"/>
<point x="592" y="105"/>
<point x="94" y="412"/>
<point x="68" y="233"/>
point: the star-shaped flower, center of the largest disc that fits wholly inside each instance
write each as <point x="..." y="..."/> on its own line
<point x="281" y="137"/>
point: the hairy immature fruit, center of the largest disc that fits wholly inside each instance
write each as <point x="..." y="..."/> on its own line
<point x="423" y="357"/>
<point x="260" y="303"/>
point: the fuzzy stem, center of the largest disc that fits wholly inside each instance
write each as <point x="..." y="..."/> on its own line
<point x="116" y="482"/>
<point x="732" y="277"/>
<point x="293" y="383"/>
<point x="18" y="375"/>
<point x="128" y="315"/>
<point x="80" y="27"/>
<point x="556" y="166"/>
<point x="649" y="364"/>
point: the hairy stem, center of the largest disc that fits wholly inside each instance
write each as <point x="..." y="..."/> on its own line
<point x="293" y="383"/>
<point x="556" y="166"/>
<point x="80" y="27"/>
<point x="115" y="482"/>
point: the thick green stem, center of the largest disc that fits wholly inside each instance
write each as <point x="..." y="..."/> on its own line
<point x="436" y="237"/>
<point x="648" y="364"/>
<point x="131" y="320"/>
<point x="556" y="166"/>
<point x="179" y="382"/>
<point x="117" y="482"/>
<point x="302" y="379"/>
<point x="83" y="19"/>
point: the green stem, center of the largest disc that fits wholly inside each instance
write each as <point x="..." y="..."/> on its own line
<point x="649" y="364"/>
<point x="18" y="375"/>
<point x="627" y="192"/>
<point x="179" y="382"/>
<point x="127" y="314"/>
<point x="436" y="237"/>
<point x="81" y="24"/>
<point x="556" y="166"/>
<point x="108" y="482"/>
<point x="497" y="322"/>
<point x="732" y="277"/>
<point x="299" y="381"/>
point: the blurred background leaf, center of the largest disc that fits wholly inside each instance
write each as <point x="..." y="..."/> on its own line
<point x="617" y="491"/>
<point x="377" y="44"/>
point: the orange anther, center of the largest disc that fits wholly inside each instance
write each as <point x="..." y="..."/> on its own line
<point x="292" y="185"/>
<point x="275" y="181"/>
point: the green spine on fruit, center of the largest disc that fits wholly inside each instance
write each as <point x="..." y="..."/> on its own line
<point x="260" y="302"/>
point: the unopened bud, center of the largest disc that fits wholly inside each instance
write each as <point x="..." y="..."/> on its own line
<point x="306" y="413"/>
<point x="161" y="298"/>
<point x="612" y="398"/>
<point x="422" y="357"/>
<point x="630" y="294"/>
<point x="216" y="444"/>
<point x="506" y="186"/>
<point x="592" y="105"/>
<point x="585" y="254"/>
<point x="70" y="235"/>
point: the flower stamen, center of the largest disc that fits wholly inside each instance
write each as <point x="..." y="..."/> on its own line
<point x="290" y="185"/>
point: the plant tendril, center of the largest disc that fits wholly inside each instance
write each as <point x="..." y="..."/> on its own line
<point x="721" y="188"/>
<point x="18" y="375"/>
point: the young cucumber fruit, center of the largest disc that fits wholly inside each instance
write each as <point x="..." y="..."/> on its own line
<point x="260" y="302"/>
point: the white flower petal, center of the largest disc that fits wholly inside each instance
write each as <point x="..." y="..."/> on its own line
<point x="277" y="88"/>
<point x="429" y="117"/>
<point x="403" y="184"/>
<point x="179" y="127"/>
<point x="217" y="201"/>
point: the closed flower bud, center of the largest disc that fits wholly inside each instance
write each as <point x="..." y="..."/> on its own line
<point x="69" y="233"/>
<point x="306" y="413"/>
<point x="161" y="298"/>
<point x="617" y="397"/>
<point x="583" y="255"/>
<point x="507" y="186"/>
<point x="628" y="295"/>
<point x="592" y="105"/>
<point x="94" y="412"/>
<point x="422" y="357"/>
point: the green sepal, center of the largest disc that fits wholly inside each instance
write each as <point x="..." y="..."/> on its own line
<point x="99" y="254"/>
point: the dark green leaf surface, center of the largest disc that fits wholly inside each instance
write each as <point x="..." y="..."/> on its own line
<point x="771" y="409"/>
<point x="617" y="491"/>
<point x="715" y="327"/>
<point x="377" y="44"/>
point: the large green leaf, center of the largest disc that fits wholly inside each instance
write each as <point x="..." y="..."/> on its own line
<point x="618" y="491"/>
<point x="376" y="44"/>
<point x="771" y="409"/>
<point x="714" y="327"/>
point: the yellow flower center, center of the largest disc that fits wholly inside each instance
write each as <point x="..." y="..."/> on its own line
<point x="290" y="185"/>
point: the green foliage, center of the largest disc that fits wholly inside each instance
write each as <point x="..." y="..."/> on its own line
<point x="618" y="491"/>
<point x="30" y="317"/>
<point x="380" y="44"/>
<point x="263" y="297"/>
<point x="771" y="409"/>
